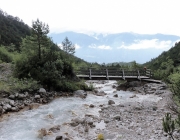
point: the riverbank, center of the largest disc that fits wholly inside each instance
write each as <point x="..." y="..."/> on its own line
<point x="115" y="114"/>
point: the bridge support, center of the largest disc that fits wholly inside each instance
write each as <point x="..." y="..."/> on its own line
<point x="123" y="77"/>
<point x="107" y="77"/>
<point x="90" y="74"/>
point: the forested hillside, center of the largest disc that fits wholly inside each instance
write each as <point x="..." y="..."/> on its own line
<point x="12" y="29"/>
<point x="166" y="64"/>
<point x="36" y="60"/>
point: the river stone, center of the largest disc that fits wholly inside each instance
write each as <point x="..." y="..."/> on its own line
<point x="42" y="90"/>
<point x="12" y="96"/>
<point x="74" y="124"/>
<point x="33" y="106"/>
<point x="59" y="138"/>
<point x="91" y="106"/>
<point x="55" y="129"/>
<point x="117" y="117"/>
<point x="37" y="96"/>
<point x="115" y="95"/>
<point x="11" y="102"/>
<point x="15" y="109"/>
<point x="20" y="96"/>
<point x="1" y="110"/>
<point x="110" y="102"/>
<point x="80" y="93"/>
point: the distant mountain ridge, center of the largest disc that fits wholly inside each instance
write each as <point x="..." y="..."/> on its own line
<point x="117" y="47"/>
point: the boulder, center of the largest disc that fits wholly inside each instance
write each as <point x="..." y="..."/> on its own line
<point x="59" y="138"/>
<point x="115" y="95"/>
<point x="91" y="106"/>
<point x="37" y="96"/>
<point x="78" y="120"/>
<point x="80" y="93"/>
<point x="11" y="102"/>
<point x="110" y="102"/>
<point x="16" y="94"/>
<point x="33" y="106"/>
<point x="117" y="118"/>
<point x="101" y="93"/>
<point x="21" y="96"/>
<point x="42" y="90"/>
<point x="133" y="96"/>
<point x="55" y="129"/>
<point x="12" y="96"/>
<point x="7" y="107"/>
<point x="15" y="109"/>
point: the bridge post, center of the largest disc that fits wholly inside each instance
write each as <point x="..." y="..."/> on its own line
<point x="89" y="73"/>
<point x="107" y="77"/>
<point x="123" y="77"/>
<point x="138" y="76"/>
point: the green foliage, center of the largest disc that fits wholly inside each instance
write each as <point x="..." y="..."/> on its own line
<point x="100" y="137"/>
<point x="174" y="80"/>
<point x="39" y="32"/>
<point x="178" y="121"/>
<point x="20" y="85"/>
<point x="70" y="86"/>
<point x="168" y="125"/>
<point x="12" y="29"/>
<point x="23" y="84"/>
<point x="5" y="56"/>
<point x="68" y="47"/>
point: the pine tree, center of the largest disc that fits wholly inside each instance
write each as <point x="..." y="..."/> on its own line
<point x="40" y="31"/>
<point x="68" y="47"/>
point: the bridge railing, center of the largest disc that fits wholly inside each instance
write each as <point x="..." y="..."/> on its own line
<point x="114" y="72"/>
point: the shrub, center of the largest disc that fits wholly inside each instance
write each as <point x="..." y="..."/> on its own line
<point x="168" y="125"/>
<point x="100" y="137"/>
<point x="5" y="56"/>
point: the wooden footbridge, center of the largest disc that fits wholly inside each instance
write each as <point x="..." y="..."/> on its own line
<point x="113" y="74"/>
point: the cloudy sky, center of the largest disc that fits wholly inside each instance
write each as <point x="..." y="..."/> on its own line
<point x="100" y="16"/>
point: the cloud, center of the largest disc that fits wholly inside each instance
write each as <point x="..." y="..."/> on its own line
<point x="103" y="47"/>
<point x="148" y="44"/>
<point x="77" y="46"/>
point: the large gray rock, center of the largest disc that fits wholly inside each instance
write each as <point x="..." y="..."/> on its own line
<point x="101" y="93"/>
<point x="80" y="93"/>
<point x="110" y="102"/>
<point x="6" y="107"/>
<point x="37" y="96"/>
<point x="11" y="102"/>
<point x="12" y="96"/>
<point x="59" y="138"/>
<point x="42" y="90"/>
<point x="55" y="129"/>
<point x="21" y="96"/>
<point x="15" y="109"/>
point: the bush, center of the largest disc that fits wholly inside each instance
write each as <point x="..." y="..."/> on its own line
<point x="24" y="84"/>
<point x="5" y="56"/>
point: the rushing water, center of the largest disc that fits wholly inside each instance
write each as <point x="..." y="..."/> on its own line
<point x="25" y="125"/>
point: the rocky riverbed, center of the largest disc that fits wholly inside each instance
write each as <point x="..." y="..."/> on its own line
<point x="132" y="114"/>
